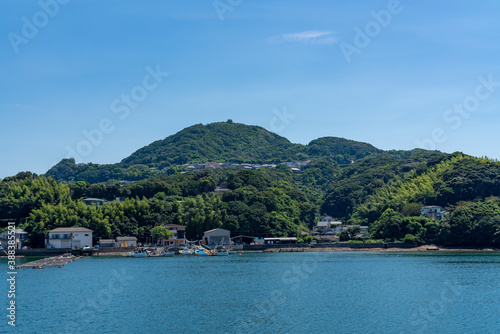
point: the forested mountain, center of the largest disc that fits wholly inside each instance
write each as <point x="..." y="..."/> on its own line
<point x="220" y="142"/>
<point x="216" y="142"/>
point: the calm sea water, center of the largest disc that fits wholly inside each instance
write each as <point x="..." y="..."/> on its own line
<point x="263" y="293"/>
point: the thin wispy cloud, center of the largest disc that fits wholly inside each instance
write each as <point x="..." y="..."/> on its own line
<point x="306" y="37"/>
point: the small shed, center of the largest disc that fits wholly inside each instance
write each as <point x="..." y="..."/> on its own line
<point x="106" y="243"/>
<point x="217" y="236"/>
<point x="126" y="241"/>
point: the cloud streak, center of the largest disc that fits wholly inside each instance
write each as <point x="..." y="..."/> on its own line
<point x="306" y="37"/>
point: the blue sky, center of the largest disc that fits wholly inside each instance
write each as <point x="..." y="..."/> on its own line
<point x="396" y="74"/>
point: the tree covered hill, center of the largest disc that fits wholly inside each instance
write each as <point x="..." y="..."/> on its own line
<point x="387" y="195"/>
<point x="384" y="191"/>
<point x="220" y="142"/>
<point x="216" y="142"/>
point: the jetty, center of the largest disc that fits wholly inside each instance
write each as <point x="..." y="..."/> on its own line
<point x="56" y="261"/>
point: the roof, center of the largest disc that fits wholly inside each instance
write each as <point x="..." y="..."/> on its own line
<point x="94" y="200"/>
<point x="222" y="189"/>
<point x="70" y="229"/>
<point x="243" y="236"/>
<point x="321" y="223"/>
<point x="281" y="239"/>
<point x="431" y="207"/>
<point x="174" y="225"/>
<point x="106" y="240"/>
<point x="18" y="231"/>
<point x="126" y="239"/>
<point x="216" y="229"/>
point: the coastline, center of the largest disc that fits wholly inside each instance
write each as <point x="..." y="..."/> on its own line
<point x="419" y="249"/>
<point x="288" y="249"/>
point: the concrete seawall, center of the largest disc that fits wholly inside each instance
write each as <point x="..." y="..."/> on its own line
<point x="326" y="246"/>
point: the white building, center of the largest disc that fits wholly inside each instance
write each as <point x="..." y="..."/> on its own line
<point x="69" y="237"/>
<point x="21" y="235"/>
<point x="327" y="224"/>
<point x="217" y="236"/>
<point x="433" y="212"/>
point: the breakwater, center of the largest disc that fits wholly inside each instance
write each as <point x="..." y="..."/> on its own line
<point x="55" y="261"/>
<point x="39" y="252"/>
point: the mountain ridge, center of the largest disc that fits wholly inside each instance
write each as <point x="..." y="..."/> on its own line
<point x="215" y="142"/>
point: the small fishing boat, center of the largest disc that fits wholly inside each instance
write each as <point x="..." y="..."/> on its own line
<point x="200" y="252"/>
<point x="168" y="254"/>
<point x="139" y="252"/>
<point x="221" y="251"/>
<point x="185" y="251"/>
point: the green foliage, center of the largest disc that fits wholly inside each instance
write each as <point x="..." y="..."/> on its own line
<point x="349" y="234"/>
<point x="340" y="150"/>
<point x="472" y="224"/>
<point x="363" y="191"/>
<point x="410" y="239"/>
<point x="261" y="203"/>
<point x="162" y="232"/>
<point x="391" y="226"/>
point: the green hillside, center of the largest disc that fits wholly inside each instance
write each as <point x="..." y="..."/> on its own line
<point x="216" y="142"/>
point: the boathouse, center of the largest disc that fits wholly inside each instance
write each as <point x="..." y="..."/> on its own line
<point x="69" y="237"/>
<point x="217" y="236"/>
<point x="126" y="241"/>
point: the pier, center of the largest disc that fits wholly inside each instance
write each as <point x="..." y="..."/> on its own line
<point x="56" y="261"/>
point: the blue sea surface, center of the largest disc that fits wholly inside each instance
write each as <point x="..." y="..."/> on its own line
<point x="352" y="292"/>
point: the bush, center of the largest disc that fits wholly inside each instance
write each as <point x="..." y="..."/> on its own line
<point x="410" y="239"/>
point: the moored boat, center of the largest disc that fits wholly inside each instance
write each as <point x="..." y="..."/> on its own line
<point x="139" y="252"/>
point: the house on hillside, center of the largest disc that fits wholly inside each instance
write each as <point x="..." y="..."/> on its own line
<point x="69" y="237"/>
<point x="326" y="224"/>
<point x="215" y="165"/>
<point x="433" y="212"/>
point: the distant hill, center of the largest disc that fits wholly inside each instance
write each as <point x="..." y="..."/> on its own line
<point x="215" y="142"/>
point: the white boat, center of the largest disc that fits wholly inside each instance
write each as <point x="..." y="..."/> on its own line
<point x="185" y="251"/>
<point x="139" y="252"/>
<point x="221" y="251"/>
